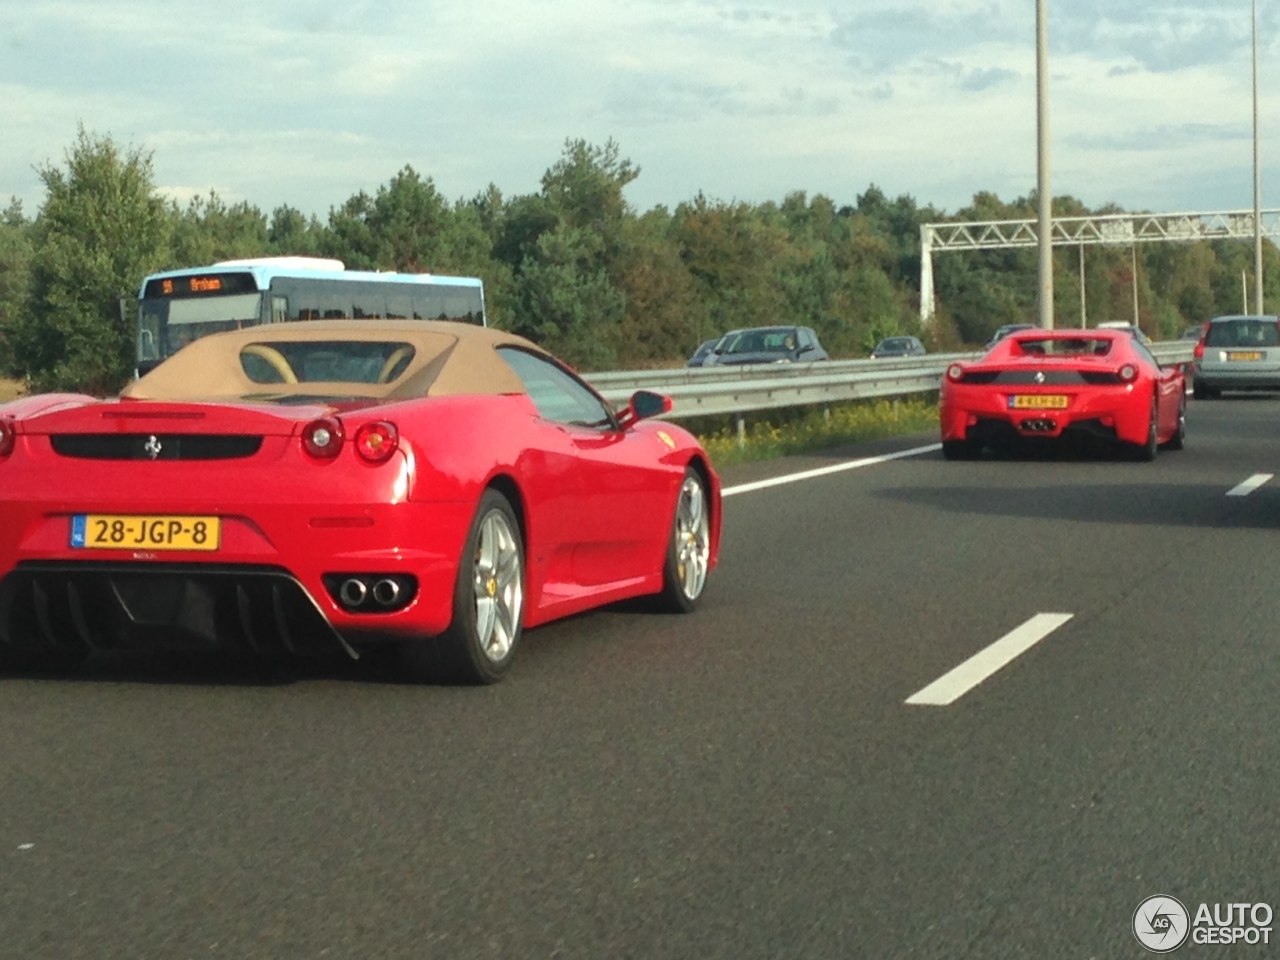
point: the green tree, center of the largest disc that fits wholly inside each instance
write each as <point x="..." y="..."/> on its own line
<point x="584" y="187"/>
<point x="101" y="229"/>
<point x="730" y="250"/>
<point x="880" y="312"/>
<point x="492" y="213"/>
<point x="408" y="226"/>
<point x="662" y="317"/>
<point x="568" y="299"/>
<point x="570" y="246"/>
<point x="290" y="234"/>
<point x="16" y="251"/>
<point x="898" y="222"/>
<point x="209" y="230"/>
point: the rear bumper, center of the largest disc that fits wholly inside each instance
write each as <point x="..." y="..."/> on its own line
<point x="1226" y="377"/>
<point x="981" y="413"/>
<point x="271" y="586"/>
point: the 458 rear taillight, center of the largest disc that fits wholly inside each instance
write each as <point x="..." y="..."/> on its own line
<point x="6" y="436"/>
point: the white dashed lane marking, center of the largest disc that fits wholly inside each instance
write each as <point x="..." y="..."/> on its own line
<point x="826" y="471"/>
<point x="951" y="686"/>
<point x="1250" y="485"/>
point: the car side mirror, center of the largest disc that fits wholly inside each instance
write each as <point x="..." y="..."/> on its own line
<point x="644" y="404"/>
<point x="806" y="348"/>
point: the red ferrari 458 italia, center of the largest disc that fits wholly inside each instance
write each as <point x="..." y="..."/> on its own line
<point x="343" y="484"/>
<point x="1048" y="384"/>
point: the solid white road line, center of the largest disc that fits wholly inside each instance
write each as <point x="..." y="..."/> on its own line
<point x="952" y="686"/>
<point x="1250" y="485"/>
<point x="825" y="471"/>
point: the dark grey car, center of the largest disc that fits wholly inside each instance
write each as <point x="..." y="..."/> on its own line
<point x="767" y="345"/>
<point x="1239" y="352"/>
<point x="700" y="355"/>
<point x="1003" y="331"/>
<point x="899" y="347"/>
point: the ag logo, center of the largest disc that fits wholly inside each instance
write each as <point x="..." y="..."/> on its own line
<point x="1161" y="924"/>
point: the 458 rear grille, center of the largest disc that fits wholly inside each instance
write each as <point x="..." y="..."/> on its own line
<point x="155" y="446"/>
<point x="1037" y="378"/>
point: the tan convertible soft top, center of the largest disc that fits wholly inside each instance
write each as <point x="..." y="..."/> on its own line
<point x="449" y="358"/>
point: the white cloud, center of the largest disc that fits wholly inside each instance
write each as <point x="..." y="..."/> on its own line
<point x="306" y="102"/>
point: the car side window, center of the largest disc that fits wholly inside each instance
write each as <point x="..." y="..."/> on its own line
<point x="559" y="395"/>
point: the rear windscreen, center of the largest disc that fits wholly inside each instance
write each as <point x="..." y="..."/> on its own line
<point x="1061" y="346"/>
<point x="366" y="362"/>
<point x="1243" y="333"/>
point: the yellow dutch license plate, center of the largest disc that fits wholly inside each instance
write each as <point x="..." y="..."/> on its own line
<point x="1038" y="401"/>
<point x="1244" y="355"/>
<point x="97" y="531"/>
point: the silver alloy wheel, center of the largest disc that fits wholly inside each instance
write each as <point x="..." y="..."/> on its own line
<point x="499" y="587"/>
<point x="693" y="538"/>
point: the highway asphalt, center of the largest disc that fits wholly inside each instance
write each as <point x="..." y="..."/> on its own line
<point x="745" y="782"/>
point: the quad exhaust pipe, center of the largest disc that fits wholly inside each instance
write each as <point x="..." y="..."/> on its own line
<point x="372" y="593"/>
<point x="386" y="592"/>
<point x="1038" y="426"/>
<point x="353" y="592"/>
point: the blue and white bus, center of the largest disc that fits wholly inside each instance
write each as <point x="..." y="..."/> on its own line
<point x="178" y="306"/>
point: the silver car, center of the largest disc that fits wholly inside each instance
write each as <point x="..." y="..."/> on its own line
<point x="1237" y="353"/>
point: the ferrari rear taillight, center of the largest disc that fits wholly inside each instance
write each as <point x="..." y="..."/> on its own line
<point x="1198" y="353"/>
<point x="322" y="439"/>
<point x="955" y="372"/>
<point x="6" y="436"/>
<point x="377" y="441"/>
<point x="1128" y="373"/>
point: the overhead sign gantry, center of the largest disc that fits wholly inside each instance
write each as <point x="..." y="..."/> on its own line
<point x="1114" y="229"/>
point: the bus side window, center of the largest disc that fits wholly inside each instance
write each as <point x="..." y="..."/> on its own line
<point x="334" y="297"/>
<point x="399" y="306"/>
<point x="279" y="309"/>
<point x="366" y="302"/>
<point x="456" y="305"/>
<point x="429" y="305"/>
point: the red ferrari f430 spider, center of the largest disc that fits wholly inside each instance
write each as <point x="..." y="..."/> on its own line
<point x="1048" y="384"/>
<point x="343" y="484"/>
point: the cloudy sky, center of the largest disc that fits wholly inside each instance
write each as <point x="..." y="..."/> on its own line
<point x="306" y="102"/>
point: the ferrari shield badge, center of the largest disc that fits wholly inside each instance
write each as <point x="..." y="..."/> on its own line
<point x="666" y="438"/>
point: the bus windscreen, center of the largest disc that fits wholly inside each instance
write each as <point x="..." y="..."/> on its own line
<point x="167" y="325"/>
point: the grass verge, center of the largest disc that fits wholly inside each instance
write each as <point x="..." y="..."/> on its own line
<point x="783" y="433"/>
<point x="10" y="389"/>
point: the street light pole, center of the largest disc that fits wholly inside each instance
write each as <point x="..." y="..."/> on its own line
<point x="1044" y="296"/>
<point x="1257" y="179"/>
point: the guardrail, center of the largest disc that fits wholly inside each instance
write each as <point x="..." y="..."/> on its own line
<point x="703" y="391"/>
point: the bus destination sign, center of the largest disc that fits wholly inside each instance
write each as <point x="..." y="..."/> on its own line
<point x="202" y="284"/>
